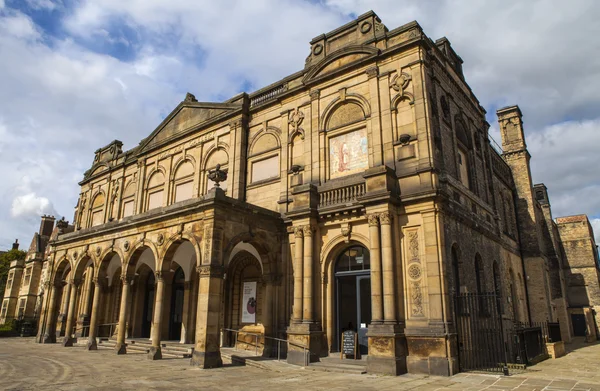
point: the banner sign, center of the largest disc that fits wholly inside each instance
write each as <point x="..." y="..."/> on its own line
<point x="249" y="302"/>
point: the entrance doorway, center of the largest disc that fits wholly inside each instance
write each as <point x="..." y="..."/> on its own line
<point x="353" y="294"/>
<point x="176" y="317"/>
<point x="579" y="325"/>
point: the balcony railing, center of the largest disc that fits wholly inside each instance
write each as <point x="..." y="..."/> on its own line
<point x="341" y="195"/>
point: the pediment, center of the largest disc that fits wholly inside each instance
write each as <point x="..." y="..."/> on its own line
<point x="340" y="60"/>
<point x="186" y="117"/>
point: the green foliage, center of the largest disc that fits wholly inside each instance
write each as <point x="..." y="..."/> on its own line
<point x="5" y="260"/>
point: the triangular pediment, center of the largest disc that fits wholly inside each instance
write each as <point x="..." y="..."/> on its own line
<point x="187" y="116"/>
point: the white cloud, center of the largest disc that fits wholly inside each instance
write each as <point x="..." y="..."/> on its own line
<point x="31" y="205"/>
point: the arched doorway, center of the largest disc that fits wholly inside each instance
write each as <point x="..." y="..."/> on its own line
<point x="353" y="294"/>
<point x="176" y="318"/>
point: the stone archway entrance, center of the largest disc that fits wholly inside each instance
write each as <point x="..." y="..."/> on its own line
<point x="353" y="294"/>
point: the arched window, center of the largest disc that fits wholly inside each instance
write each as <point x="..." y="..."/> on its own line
<point x="263" y="159"/>
<point x="353" y="259"/>
<point x="346" y="138"/>
<point x="497" y="285"/>
<point x="98" y="210"/>
<point x="155" y="190"/>
<point x="463" y="148"/>
<point x="183" y="181"/>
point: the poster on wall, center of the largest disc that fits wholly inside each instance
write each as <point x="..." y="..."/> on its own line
<point x="348" y="153"/>
<point x="249" y="302"/>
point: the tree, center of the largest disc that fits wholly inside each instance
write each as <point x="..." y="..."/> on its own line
<point x="5" y="259"/>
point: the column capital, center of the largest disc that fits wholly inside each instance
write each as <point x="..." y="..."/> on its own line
<point x="206" y="271"/>
<point x="372" y="72"/>
<point x="298" y="232"/>
<point x="308" y="230"/>
<point x="126" y="280"/>
<point x="373" y="219"/>
<point x="75" y="282"/>
<point x="159" y="275"/>
<point x="385" y="218"/>
<point x="315" y="94"/>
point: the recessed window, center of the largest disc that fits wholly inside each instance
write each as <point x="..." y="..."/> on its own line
<point x="128" y="208"/>
<point x="155" y="200"/>
<point x="183" y="191"/>
<point x="265" y="169"/>
<point x="463" y="169"/>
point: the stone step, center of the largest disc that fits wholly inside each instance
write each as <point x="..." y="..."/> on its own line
<point x="167" y="349"/>
<point x="333" y="364"/>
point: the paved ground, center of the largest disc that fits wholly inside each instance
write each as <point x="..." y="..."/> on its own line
<point x="25" y="365"/>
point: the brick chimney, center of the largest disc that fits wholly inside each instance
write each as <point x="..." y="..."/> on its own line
<point x="15" y="245"/>
<point x="47" y="225"/>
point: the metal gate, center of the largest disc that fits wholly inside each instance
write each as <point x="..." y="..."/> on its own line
<point x="482" y="342"/>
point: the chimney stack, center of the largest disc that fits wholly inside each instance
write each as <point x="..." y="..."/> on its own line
<point x="15" y="245"/>
<point x="47" y="225"/>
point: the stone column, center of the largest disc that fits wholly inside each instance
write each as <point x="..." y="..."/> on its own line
<point x="67" y="294"/>
<point x="50" y="332"/>
<point x="187" y="309"/>
<point x="88" y="293"/>
<point x="207" y="353"/>
<point x="121" y="346"/>
<point x="155" y="350"/>
<point x="375" y="252"/>
<point x="91" y="343"/>
<point x="68" y="339"/>
<point x="389" y="301"/>
<point x="298" y="280"/>
<point x="308" y="310"/>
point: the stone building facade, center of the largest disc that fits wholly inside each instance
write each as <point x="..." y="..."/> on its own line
<point x="361" y="192"/>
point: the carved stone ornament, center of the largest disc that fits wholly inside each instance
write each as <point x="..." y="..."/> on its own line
<point x="126" y="246"/>
<point x="385" y="218"/>
<point x="160" y="240"/>
<point x="98" y="251"/>
<point x="372" y="72"/>
<point x="373" y="220"/>
<point x="315" y="94"/>
<point x="346" y="231"/>
<point x="217" y="175"/>
<point x="295" y="119"/>
<point x="365" y="27"/>
<point x="317" y="49"/>
<point x="307" y="230"/>
<point x="75" y="255"/>
<point x="189" y="97"/>
<point x="413" y="246"/>
<point x="298" y="232"/>
<point x="400" y="82"/>
<point x="404" y="139"/>
<point x="210" y="271"/>
<point x="414" y="271"/>
<point x="417" y="299"/>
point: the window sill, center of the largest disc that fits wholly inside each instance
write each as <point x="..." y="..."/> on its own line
<point x="263" y="182"/>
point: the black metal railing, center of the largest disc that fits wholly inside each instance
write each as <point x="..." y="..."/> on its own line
<point x="489" y="341"/>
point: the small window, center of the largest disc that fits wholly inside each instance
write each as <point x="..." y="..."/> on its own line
<point x="21" y="307"/>
<point x="155" y="200"/>
<point x="4" y="309"/>
<point x="96" y="218"/>
<point x="184" y="191"/>
<point x="128" y="208"/>
<point x="9" y="282"/>
<point x="356" y="258"/>
<point x="27" y="277"/>
<point x="265" y="169"/>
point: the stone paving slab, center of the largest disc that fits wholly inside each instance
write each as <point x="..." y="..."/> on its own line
<point x="25" y="365"/>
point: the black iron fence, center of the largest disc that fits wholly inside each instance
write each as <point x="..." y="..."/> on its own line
<point x="490" y="341"/>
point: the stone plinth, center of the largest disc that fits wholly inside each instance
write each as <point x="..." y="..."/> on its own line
<point x="556" y="349"/>
<point x="387" y="350"/>
<point x="432" y="355"/>
<point x="304" y="334"/>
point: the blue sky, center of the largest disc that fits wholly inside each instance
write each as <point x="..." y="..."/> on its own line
<point x="76" y="74"/>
